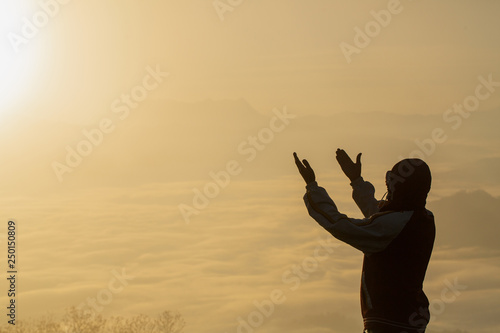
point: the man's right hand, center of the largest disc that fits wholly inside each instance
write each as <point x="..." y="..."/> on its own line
<point x="352" y="170"/>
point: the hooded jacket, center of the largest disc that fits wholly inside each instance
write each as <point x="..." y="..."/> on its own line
<point x="396" y="238"/>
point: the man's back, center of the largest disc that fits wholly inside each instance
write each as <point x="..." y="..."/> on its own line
<point x="392" y="279"/>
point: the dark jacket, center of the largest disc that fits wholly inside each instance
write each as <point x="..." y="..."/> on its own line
<point x="397" y="245"/>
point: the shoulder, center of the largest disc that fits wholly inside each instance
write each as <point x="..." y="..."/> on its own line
<point x="391" y="216"/>
<point x="387" y="218"/>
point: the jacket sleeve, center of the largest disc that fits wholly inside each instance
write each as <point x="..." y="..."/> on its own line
<point x="368" y="235"/>
<point x="363" y="194"/>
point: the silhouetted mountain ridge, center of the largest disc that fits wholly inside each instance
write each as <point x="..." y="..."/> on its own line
<point x="467" y="219"/>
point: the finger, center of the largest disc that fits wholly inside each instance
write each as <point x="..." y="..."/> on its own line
<point x="306" y="164"/>
<point x="358" y="159"/>
<point x="337" y="154"/>
<point x="343" y="157"/>
<point x="340" y="154"/>
<point x="297" y="161"/>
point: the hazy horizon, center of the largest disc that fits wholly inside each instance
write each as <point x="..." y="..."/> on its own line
<point x="147" y="153"/>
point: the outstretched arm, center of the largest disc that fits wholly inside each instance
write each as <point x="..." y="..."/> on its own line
<point x="369" y="235"/>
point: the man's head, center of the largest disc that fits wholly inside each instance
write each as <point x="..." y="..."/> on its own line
<point x="408" y="183"/>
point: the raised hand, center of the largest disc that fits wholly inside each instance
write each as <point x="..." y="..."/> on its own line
<point x="352" y="170"/>
<point x="305" y="170"/>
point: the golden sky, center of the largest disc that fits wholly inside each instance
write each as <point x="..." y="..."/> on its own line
<point x="113" y="114"/>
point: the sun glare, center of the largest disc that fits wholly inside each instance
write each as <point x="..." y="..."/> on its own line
<point x="16" y="63"/>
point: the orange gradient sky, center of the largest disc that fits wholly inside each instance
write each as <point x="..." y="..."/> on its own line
<point x="114" y="114"/>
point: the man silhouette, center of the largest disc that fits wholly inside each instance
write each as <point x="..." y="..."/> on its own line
<point x="396" y="237"/>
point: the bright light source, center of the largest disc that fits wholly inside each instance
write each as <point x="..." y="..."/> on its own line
<point x="15" y="65"/>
